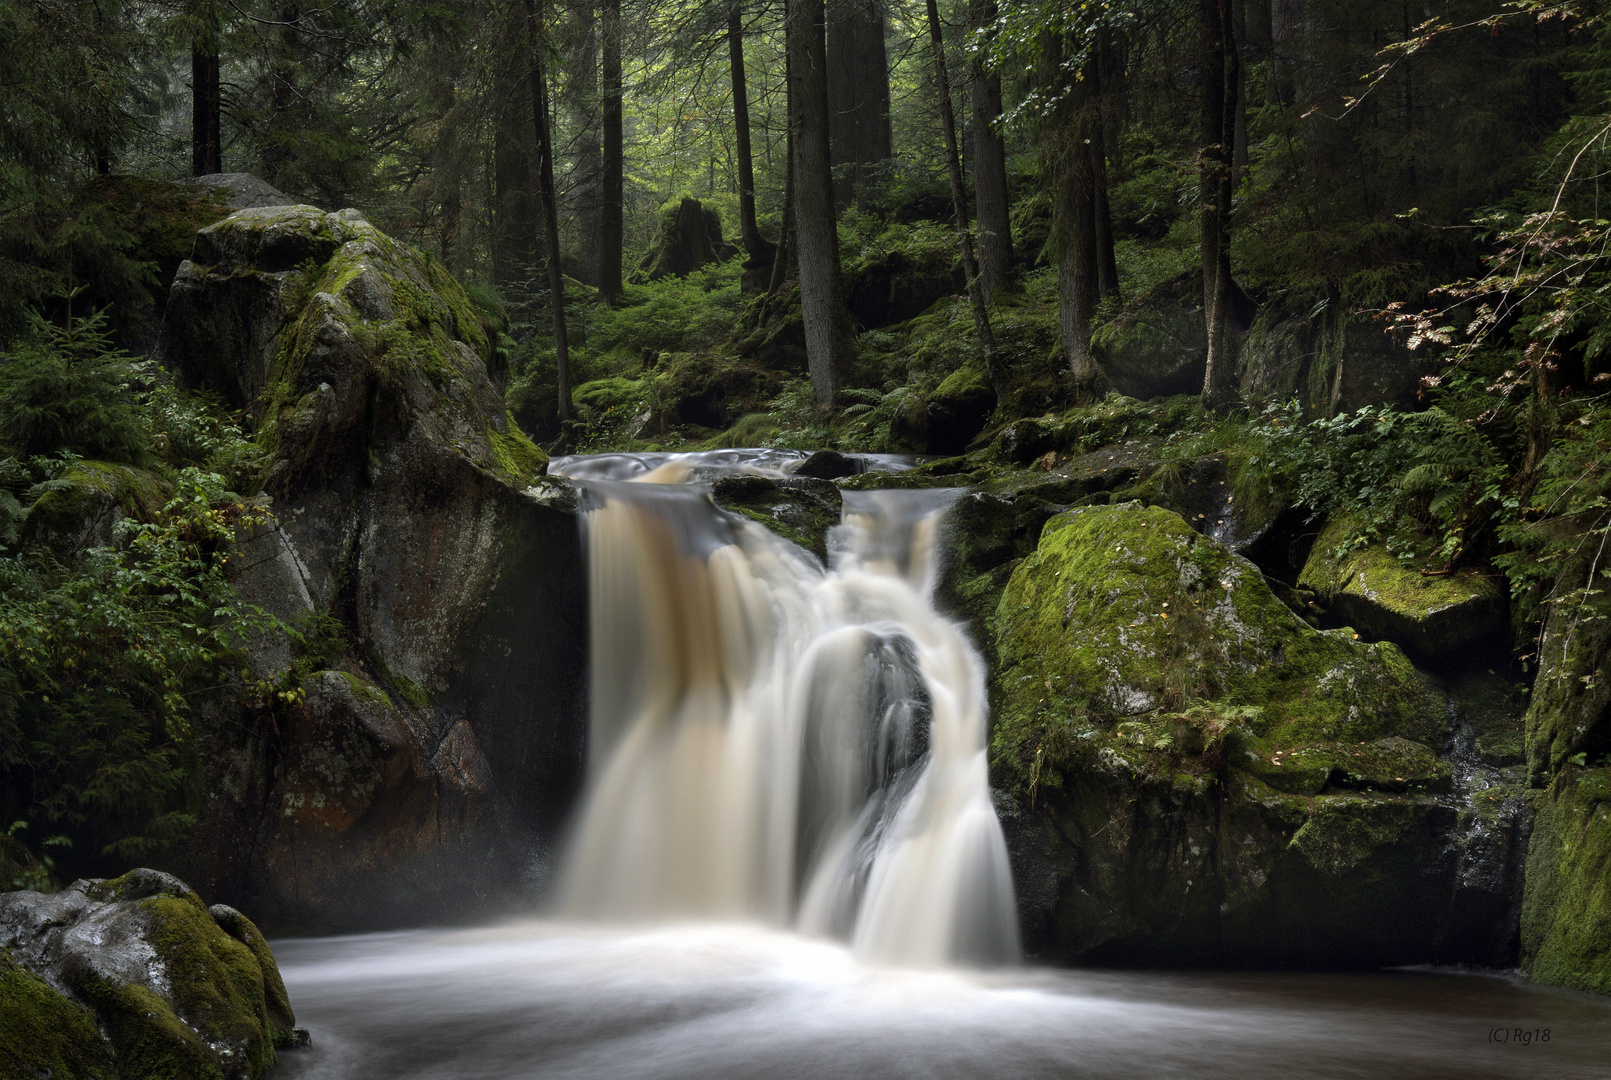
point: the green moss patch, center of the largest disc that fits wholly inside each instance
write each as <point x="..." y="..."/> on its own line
<point x="44" y="1033"/>
<point x="1566" y="911"/>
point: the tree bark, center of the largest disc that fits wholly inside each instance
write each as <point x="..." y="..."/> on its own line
<point x="989" y="164"/>
<point x="515" y="226"/>
<point x="1221" y="80"/>
<point x="816" y="232"/>
<point x="758" y="250"/>
<point x="610" y="217"/>
<point x="580" y="102"/>
<point x="1107" y="265"/>
<point x="859" y="135"/>
<point x="959" y="206"/>
<point x="1069" y="164"/>
<point x="206" y="134"/>
<point x="550" y="211"/>
<point x="783" y="256"/>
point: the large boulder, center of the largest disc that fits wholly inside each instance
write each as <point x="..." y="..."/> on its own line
<point x="435" y="574"/>
<point x="87" y="501"/>
<point x="137" y="978"/>
<point x="1155" y="351"/>
<point x="1432" y="615"/>
<point x="1192" y="775"/>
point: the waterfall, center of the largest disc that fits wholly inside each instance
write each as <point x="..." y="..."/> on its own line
<point x="774" y="740"/>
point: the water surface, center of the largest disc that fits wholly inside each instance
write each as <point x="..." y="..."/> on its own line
<point x="717" y="1001"/>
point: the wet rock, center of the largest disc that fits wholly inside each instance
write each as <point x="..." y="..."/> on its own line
<point x="1431" y="615"/>
<point x="178" y="991"/>
<point x="800" y="509"/>
<point x="828" y="465"/>
<point x="1210" y="780"/>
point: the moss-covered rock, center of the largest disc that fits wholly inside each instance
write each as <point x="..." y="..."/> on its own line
<point x="43" y="1032"/>
<point x="95" y="496"/>
<point x="799" y="509"/>
<point x="948" y="418"/>
<point x="178" y="994"/>
<point x="1201" y="777"/>
<point x="1156" y="351"/>
<point x="1566" y="918"/>
<point x="1432" y="615"/>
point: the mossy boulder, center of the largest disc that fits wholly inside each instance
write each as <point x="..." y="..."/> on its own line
<point x="178" y="991"/>
<point x="412" y="532"/>
<point x="1155" y="351"/>
<point x="93" y="497"/>
<point x="44" y="1032"/>
<point x="946" y="420"/>
<point x="690" y="236"/>
<point x="1433" y="615"/>
<point x="1199" y="777"/>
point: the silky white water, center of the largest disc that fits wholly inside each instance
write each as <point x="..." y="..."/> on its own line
<point x="775" y="740"/>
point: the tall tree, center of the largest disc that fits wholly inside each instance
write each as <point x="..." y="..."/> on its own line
<point x="611" y="211"/>
<point x="581" y="107"/>
<point x="1107" y="265"/>
<point x="860" y="140"/>
<point x="959" y="205"/>
<point x="1221" y="83"/>
<point x="206" y="122"/>
<point x="1067" y="159"/>
<point x="758" y="250"/>
<point x="816" y="231"/>
<point x="989" y="161"/>
<point x="549" y="210"/>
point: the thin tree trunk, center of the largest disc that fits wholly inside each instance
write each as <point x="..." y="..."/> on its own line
<point x="989" y="165"/>
<point x="959" y="206"/>
<point x="550" y="211"/>
<point x="1221" y="78"/>
<point x="610" y="220"/>
<point x="757" y="248"/>
<point x="783" y="255"/>
<point x="515" y="225"/>
<point x="816" y="232"/>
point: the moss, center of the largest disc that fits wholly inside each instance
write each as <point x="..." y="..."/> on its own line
<point x="1345" y="833"/>
<point x="1433" y="613"/>
<point x="615" y="392"/>
<point x="44" y="1033"/>
<point x="518" y="458"/>
<point x="1566" y="908"/>
<point x="801" y="510"/>
<point x="277" y="1002"/>
<point x="1125" y="610"/>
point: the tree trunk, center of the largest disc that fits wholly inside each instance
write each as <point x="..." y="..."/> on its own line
<point x="514" y="197"/>
<point x="816" y="232"/>
<point x="989" y="164"/>
<point x="758" y="250"/>
<point x="1068" y="161"/>
<point x="1107" y="265"/>
<point x="1221" y="79"/>
<point x="610" y="219"/>
<point x="959" y="206"/>
<point x="858" y="99"/>
<point x="206" y="142"/>
<point x="783" y="256"/>
<point x="549" y="210"/>
<point x="580" y="102"/>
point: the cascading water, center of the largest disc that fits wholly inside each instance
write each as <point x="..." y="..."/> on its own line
<point x="773" y="740"/>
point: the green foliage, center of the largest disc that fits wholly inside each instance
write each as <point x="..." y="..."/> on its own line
<point x="687" y="314"/>
<point x="67" y="389"/>
<point x="103" y="662"/>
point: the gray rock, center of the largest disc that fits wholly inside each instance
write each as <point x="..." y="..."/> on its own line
<point x="241" y="191"/>
<point x="177" y="991"/>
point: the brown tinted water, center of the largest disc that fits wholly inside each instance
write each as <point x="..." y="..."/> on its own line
<point x="714" y="1001"/>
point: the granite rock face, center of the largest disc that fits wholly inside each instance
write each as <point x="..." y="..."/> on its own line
<point x="429" y="571"/>
<point x="135" y="978"/>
